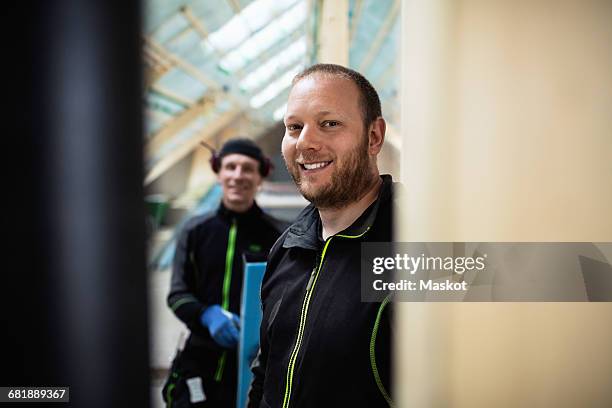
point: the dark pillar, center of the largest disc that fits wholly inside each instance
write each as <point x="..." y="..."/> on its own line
<point x="74" y="311"/>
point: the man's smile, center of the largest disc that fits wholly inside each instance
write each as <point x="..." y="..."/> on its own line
<point x="314" y="166"/>
<point x="238" y="187"/>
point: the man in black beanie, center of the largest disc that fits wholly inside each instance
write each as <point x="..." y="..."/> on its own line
<point x="207" y="279"/>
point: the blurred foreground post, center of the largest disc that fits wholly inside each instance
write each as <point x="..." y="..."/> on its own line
<point x="74" y="307"/>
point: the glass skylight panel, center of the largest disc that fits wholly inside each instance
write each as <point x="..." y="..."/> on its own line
<point x="293" y="18"/>
<point x="231" y="61"/>
<point x="252" y="47"/>
<point x="207" y="48"/>
<point x="230" y="35"/>
<point x="266" y="37"/>
<point x="274" y="88"/>
<point x="169" y="28"/>
<point x="159" y="103"/>
<point x="261" y="12"/>
<point x="152" y="127"/>
<point x="224" y="105"/>
<point x="286" y="57"/>
<point x="258" y="13"/>
<point x="182" y="84"/>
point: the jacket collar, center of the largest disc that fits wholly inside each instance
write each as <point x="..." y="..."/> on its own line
<point x="251" y="213"/>
<point x="304" y="232"/>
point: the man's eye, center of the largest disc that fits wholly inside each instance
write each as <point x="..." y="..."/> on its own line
<point x="330" y="123"/>
<point x="293" y="127"/>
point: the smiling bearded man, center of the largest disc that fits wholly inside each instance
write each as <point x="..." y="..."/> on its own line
<point x="349" y="179"/>
<point x="320" y="345"/>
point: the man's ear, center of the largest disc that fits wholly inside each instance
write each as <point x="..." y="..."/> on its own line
<point x="376" y="135"/>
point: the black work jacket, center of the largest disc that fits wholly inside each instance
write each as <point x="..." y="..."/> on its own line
<point x="209" y="250"/>
<point x="316" y="334"/>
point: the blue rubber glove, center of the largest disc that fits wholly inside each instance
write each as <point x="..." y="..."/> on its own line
<point x="222" y="325"/>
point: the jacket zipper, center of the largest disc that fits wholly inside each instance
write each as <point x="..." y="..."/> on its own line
<point x="310" y="286"/>
<point x="227" y="280"/>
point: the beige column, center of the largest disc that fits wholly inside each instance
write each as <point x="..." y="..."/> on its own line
<point x="507" y="136"/>
<point x="333" y="32"/>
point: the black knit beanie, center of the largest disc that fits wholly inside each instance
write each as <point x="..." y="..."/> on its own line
<point x="246" y="147"/>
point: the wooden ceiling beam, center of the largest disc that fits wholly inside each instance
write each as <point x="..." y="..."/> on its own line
<point x="235" y="5"/>
<point x="170" y="159"/>
<point x="177" y="124"/>
<point x="199" y="27"/>
<point x="152" y="74"/>
<point x="195" y="22"/>
<point x="187" y="67"/>
<point x="171" y="95"/>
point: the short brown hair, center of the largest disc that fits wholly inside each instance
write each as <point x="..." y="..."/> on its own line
<point x="369" y="100"/>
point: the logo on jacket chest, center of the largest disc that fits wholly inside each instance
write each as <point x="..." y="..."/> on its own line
<point x="254" y="248"/>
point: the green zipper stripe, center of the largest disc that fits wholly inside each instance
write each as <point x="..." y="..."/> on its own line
<point x="171" y="387"/>
<point x="169" y="395"/>
<point x="227" y="280"/>
<point x="379" y="383"/>
<point x="229" y="261"/>
<point x="303" y="315"/>
<point x="300" y="335"/>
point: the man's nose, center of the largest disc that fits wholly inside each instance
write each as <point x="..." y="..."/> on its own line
<point x="309" y="139"/>
<point x="237" y="172"/>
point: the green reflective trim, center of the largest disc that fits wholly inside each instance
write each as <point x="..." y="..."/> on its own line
<point x="354" y="236"/>
<point x="229" y="261"/>
<point x="169" y="395"/>
<point x="227" y="280"/>
<point x="181" y="302"/>
<point x="220" y="367"/>
<point x="312" y="282"/>
<point x="379" y="383"/>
